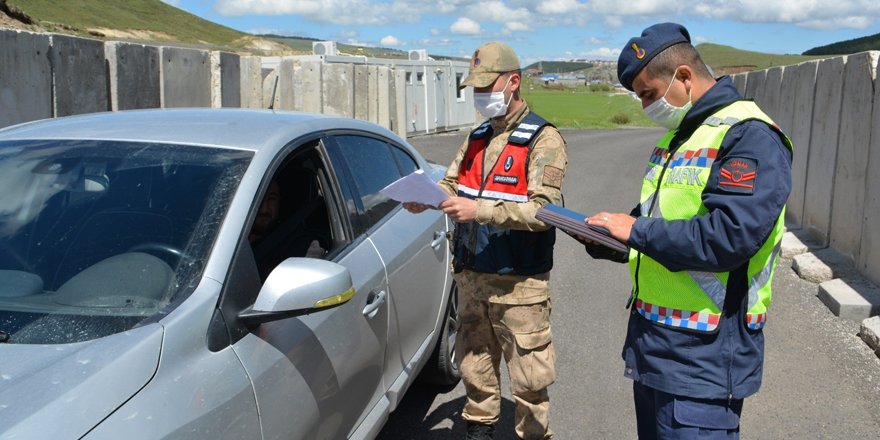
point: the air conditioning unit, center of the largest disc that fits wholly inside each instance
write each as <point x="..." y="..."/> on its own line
<point x="418" y="55"/>
<point x="324" y="48"/>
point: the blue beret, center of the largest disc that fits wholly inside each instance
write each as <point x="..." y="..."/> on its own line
<point x="640" y="50"/>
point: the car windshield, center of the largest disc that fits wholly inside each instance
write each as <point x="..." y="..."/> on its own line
<point x="98" y="236"/>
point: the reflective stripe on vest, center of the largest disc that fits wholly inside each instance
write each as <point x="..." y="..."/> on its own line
<point x="694" y="299"/>
<point x="507" y="179"/>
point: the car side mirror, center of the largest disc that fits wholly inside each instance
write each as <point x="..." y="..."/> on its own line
<point x="300" y="286"/>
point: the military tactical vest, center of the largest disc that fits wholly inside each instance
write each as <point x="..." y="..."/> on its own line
<point x="694" y="299"/>
<point x="492" y="249"/>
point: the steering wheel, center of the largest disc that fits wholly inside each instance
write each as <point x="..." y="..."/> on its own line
<point x="170" y="254"/>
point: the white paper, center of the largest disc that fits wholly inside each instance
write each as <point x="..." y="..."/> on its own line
<point x="416" y="187"/>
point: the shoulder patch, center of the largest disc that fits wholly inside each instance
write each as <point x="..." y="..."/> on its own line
<point x="552" y="177"/>
<point x="739" y="175"/>
<point x="482" y="130"/>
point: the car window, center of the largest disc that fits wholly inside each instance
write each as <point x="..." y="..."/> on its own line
<point x="95" y="237"/>
<point x="372" y="166"/>
<point x="298" y="215"/>
<point x="404" y="161"/>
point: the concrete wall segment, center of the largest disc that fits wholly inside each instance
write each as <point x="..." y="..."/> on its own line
<point x="134" y="76"/>
<point x="251" y="87"/>
<point x="739" y="81"/>
<point x="824" y="136"/>
<point x="186" y="78"/>
<point x="25" y="77"/>
<point x="308" y="80"/>
<point x="338" y="89"/>
<point x="361" y="92"/>
<point x="802" y="122"/>
<point x="772" y="92"/>
<point x="383" y="101"/>
<point x="230" y="80"/>
<point x="852" y="154"/>
<point x="869" y="255"/>
<point x="79" y="74"/>
<point x="755" y="85"/>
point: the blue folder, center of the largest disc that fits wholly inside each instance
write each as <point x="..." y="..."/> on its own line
<point x="573" y="223"/>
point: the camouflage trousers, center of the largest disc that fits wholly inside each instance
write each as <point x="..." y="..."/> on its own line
<point x="509" y="316"/>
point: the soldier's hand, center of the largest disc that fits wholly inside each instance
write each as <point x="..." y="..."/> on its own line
<point x="460" y="209"/>
<point x="619" y="225"/>
<point x="415" y="207"/>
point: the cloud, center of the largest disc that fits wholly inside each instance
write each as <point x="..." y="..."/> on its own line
<point x="558" y="6"/>
<point x="839" y="14"/>
<point x="602" y="53"/>
<point x="321" y="11"/>
<point x="437" y="42"/>
<point x="515" y="26"/>
<point x="390" y="40"/>
<point x="172" y="2"/>
<point x="465" y="26"/>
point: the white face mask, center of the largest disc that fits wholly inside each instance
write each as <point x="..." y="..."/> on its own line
<point x="666" y="114"/>
<point x="492" y="105"/>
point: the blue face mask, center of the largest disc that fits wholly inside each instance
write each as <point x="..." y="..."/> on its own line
<point x="666" y="114"/>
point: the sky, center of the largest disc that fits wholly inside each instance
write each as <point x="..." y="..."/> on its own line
<point x="547" y="29"/>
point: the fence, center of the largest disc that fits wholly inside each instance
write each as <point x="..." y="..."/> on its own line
<point x="831" y="109"/>
<point x="48" y="75"/>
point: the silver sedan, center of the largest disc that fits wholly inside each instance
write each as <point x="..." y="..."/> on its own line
<point x="214" y="274"/>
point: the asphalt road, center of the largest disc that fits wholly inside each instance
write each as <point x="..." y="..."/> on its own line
<point x="820" y="380"/>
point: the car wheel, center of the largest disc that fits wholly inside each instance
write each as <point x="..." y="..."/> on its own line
<point x="442" y="367"/>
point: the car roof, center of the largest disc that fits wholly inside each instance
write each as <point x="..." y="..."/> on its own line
<point x="232" y="128"/>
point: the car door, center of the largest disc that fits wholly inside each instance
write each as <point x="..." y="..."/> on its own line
<point x="413" y="247"/>
<point x="317" y="376"/>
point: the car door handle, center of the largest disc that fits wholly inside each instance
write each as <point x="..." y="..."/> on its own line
<point x="374" y="301"/>
<point x="439" y="238"/>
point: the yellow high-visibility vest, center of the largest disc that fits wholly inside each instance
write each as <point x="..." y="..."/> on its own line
<point x="694" y="299"/>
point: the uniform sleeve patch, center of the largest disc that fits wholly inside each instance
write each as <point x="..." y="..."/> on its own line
<point x="739" y="175"/>
<point x="552" y="177"/>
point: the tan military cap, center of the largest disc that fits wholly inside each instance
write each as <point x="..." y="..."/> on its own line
<point x="490" y="61"/>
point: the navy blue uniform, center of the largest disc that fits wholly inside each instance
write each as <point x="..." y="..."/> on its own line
<point x="726" y="365"/>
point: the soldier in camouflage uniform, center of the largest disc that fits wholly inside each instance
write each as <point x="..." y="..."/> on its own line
<point x="503" y="255"/>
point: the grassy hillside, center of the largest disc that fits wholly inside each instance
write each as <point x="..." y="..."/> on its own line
<point x="154" y="16"/>
<point x="726" y="59"/>
<point x="856" y="45"/>
<point x="550" y="67"/>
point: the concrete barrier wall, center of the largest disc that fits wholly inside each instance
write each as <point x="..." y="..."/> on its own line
<point x="850" y="183"/>
<point x="802" y="121"/>
<point x="134" y="76"/>
<point x="25" y="77"/>
<point x="831" y="110"/>
<point x="186" y="78"/>
<point x="46" y="75"/>
<point x="79" y="75"/>
<point x="869" y="253"/>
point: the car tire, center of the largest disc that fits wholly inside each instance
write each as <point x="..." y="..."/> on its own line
<point x="442" y="367"/>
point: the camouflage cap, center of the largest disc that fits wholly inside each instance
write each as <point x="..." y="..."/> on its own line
<point x="488" y="63"/>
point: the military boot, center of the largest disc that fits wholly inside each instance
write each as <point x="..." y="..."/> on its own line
<point x="476" y="431"/>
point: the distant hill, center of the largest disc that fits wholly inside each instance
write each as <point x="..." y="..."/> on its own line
<point x="550" y="67"/>
<point x="129" y="19"/>
<point x="856" y="45"/>
<point x="727" y="60"/>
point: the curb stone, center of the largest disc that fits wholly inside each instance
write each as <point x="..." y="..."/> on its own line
<point x="870" y="333"/>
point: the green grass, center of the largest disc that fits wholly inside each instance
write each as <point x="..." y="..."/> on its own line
<point x="148" y="15"/>
<point x="725" y="59"/>
<point x="579" y="108"/>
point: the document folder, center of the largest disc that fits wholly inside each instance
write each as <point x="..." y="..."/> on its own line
<point x="573" y="223"/>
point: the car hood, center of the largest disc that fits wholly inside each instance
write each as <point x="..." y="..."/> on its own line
<point x="63" y="391"/>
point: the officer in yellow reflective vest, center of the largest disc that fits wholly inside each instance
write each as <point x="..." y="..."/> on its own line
<point x="703" y="241"/>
